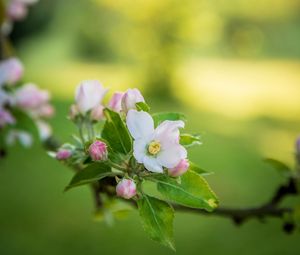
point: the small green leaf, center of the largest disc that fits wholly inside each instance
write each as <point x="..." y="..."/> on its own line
<point x="91" y="173"/>
<point x="162" y="116"/>
<point x="188" y="140"/>
<point x="281" y="167"/>
<point x="191" y="190"/>
<point x="193" y="167"/>
<point x="157" y="219"/>
<point x="116" y="132"/>
<point x="142" y="106"/>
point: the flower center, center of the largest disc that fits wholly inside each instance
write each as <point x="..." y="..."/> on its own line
<point x="154" y="147"/>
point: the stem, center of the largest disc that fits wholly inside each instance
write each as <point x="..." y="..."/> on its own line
<point x="79" y="125"/>
<point x="271" y="208"/>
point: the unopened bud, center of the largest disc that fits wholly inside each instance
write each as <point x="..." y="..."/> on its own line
<point x="130" y="98"/>
<point x="115" y="102"/>
<point x="126" y="188"/>
<point x="180" y="169"/>
<point x="98" y="151"/>
<point x="63" y="154"/>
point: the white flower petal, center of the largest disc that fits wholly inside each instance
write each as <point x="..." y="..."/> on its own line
<point x="171" y="157"/>
<point x="140" y="149"/>
<point x="152" y="165"/>
<point x="168" y="132"/>
<point x="140" y="124"/>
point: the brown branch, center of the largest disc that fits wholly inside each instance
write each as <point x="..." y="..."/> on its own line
<point x="239" y="215"/>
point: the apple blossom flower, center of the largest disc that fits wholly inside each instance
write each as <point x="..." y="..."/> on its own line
<point x="155" y="148"/>
<point x="31" y="97"/>
<point x="126" y="188"/>
<point x="180" y="169"/>
<point x="130" y="98"/>
<point x="16" y="10"/>
<point x="115" y="103"/>
<point x="63" y="154"/>
<point x="11" y="70"/>
<point x="6" y="118"/>
<point x="23" y="137"/>
<point x="89" y="94"/>
<point x="98" y="151"/>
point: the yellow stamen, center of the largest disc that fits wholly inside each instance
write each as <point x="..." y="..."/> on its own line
<point x="154" y="147"/>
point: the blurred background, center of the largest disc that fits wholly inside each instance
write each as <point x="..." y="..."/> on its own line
<point x="232" y="66"/>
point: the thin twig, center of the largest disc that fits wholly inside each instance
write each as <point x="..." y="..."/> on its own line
<point x="239" y="215"/>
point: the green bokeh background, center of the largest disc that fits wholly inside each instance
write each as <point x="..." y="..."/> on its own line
<point x="63" y="42"/>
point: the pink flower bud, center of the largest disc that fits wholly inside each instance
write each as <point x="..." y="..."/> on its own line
<point x="126" y="188"/>
<point x="11" y="71"/>
<point x="98" y="151"/>
<point x="6" y="118"/>
<point x="97" y="113"/>
<point x="130" y="98"/>
<point x="63" y="154"/>
<point x="16" y="10"/>
<point x="115" y="102"/>
<point x="180" y="169"/>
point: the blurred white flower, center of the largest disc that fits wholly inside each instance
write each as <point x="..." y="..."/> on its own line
<point x="30" y="96"/>
<point x="23" y="137"/>
<point x="11" y="71"/>
<point x="16" y="10"/>
<point x="45" y="130"/>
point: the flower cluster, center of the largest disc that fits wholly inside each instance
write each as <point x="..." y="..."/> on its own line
<point x="23" y="107"/>
<point x="120" y="146"/>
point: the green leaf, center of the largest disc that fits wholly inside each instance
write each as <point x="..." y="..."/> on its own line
<point x="157" y="219"/>
<point x="190" y="190"/>
<point x="193" y="167"/>
<point x="281" y="167"/>
<point x="142" y="106"/>
<point x="162" y="116"/>
<point x="91" y="173"/>
<point x="116" y="133"/>
<point x="188" y="140"/>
